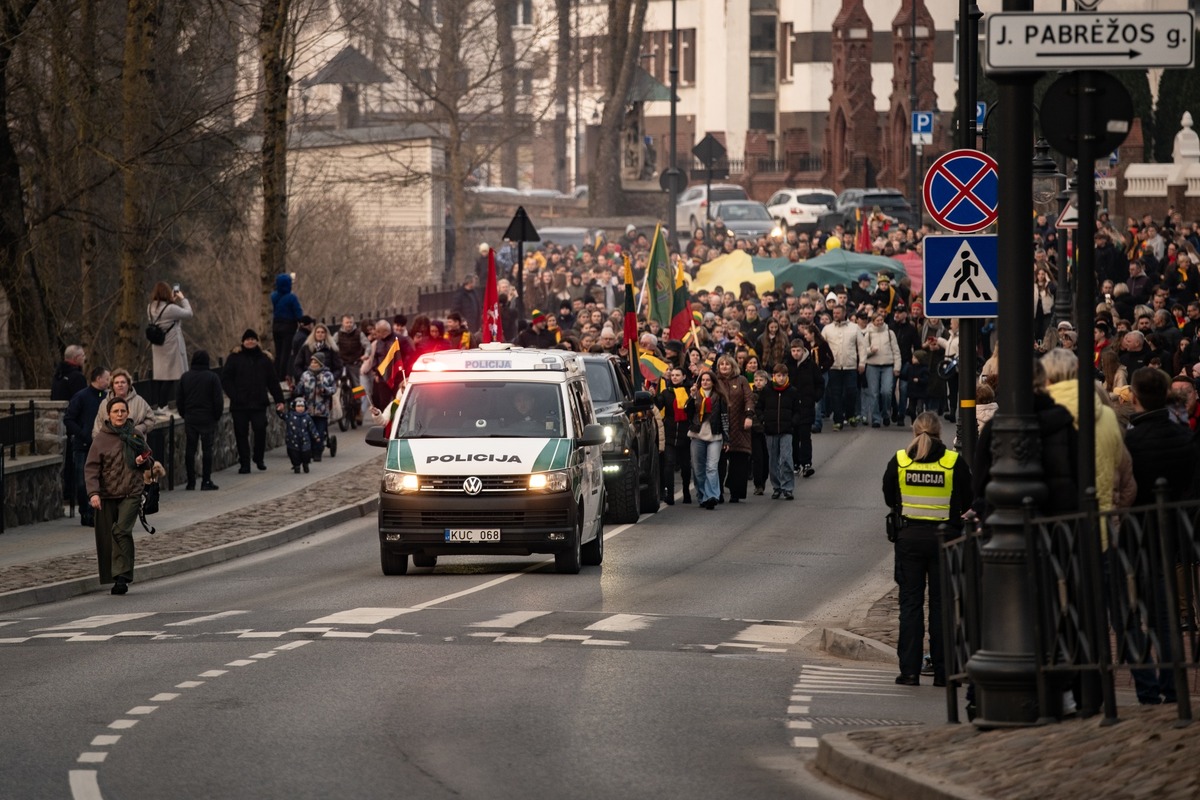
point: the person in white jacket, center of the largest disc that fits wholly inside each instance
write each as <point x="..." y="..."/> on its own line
<point x="883" y="367"/>
<point x="949" y="343"/>
<point x="849" y="360"/>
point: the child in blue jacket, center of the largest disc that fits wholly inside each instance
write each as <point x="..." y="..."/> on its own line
<point x="300" y="434"/>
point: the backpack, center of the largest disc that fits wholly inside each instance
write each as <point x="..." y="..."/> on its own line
<point x="154" y="334"/>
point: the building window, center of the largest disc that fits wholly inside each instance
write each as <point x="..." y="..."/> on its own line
<point x="786" y="42"/>
<point x="522" y="12"/>
<point x="762" y="33"/>
<point x="762" y="5"/>
<point x="687" y="57"/>
<point x="762" y="115"/>
<point x="525" y="82"/>
<point x="762" y="74"/>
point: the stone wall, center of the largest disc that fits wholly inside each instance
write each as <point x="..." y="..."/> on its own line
<point x="33" y="490"/>
<point x="33" y="485"/>
<point x="48" y="428"/>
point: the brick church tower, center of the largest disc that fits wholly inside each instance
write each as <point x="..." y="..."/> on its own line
<point x="897" y="133"/>
<point x="852" y="142"/>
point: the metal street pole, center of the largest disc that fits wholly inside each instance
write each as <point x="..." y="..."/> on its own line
<point x="912" y="102"/>
<point x="1004" y="669"/>
<point x="673" y="189"/>
<point x="968" y="329"/>
<point x="1062" y="295"/>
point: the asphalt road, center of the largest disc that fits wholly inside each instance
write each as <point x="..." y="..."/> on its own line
<point x="685" y="667"/>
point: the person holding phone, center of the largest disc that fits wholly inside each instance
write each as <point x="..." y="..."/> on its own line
<point x="167" y="310"/>
<point x="113" y="475"/>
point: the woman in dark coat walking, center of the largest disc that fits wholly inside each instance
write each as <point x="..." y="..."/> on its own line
<point x="113" y="474"/>
<point x="740" y="398"/>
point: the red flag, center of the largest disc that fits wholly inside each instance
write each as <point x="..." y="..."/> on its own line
<point x="492" y="327"/>
<point x="863" y="241"/>
<point x="681" y="318"/>
<point x="630" y="332"/>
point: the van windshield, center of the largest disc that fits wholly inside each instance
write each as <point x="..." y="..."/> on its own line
<point x="474" y="409"/>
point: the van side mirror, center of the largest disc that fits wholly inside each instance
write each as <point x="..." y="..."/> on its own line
<point x="376" y="436"/>
<point x="592" y="434"/>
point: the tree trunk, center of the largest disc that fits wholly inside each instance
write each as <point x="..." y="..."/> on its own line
<point x="505" y="13"/>
<point x="562" y="93"/>
<point x="30" y="325"/>
<point x="273" y="48"/>
<point x="85" y="171"/>
<point x="626" y="19"/>
<point x="137" y="80"/>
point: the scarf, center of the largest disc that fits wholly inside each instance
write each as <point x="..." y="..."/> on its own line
<point x="681" y="398"/>
<point x="134" y="443"/>
<point x="779" y="387"/>
<point x="705" y="405"/>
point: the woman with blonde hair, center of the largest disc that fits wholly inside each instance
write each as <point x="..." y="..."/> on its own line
<point x="926" y="485"/>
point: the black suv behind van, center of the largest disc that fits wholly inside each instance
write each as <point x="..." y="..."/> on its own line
<point x="630" y="450"/>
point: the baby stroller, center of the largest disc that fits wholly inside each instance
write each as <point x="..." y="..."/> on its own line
<point x="350" y="402"/>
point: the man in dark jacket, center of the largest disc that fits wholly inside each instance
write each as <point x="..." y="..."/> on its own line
<point x="68" y="379"/>
<point x="200" y="403"/>
<point x="779" y="410"/>
<point x="468" y="304"/>
<point x="79" y="419"/>
<point x="285" y="315"/>
<point x="1159" y="448"/>
<point x="248" y="379"/>
<point x="673" y="400"/>
<point x="805" y="375"/>
<point x="537" y="334"/>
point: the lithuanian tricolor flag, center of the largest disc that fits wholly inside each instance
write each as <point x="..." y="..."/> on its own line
<point x="681" y="306"/>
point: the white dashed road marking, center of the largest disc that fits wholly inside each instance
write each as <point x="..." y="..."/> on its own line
<point x="511" y="620"/>
<point x="621" y="623"/>
<point x="206" y="618"/>
<point x="361" y="616"/>
<point x="96" y="622"/>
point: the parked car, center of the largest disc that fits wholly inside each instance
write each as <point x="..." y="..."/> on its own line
<point x="630" y="450"/>
<point x="693" y="203"/>
<point x="801" y="208"/>
<point x="746" y="219"/>
<point x="890" y="201"/>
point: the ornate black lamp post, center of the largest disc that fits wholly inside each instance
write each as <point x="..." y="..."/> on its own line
<point x="1047" y="187"/>
<point x="1004" y="668"/>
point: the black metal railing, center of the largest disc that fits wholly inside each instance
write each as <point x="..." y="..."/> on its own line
<point x="15" y="429"/>
<point x="1114" y="593"/>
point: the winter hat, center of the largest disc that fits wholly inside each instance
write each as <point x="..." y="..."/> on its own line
<point x="864" y="277"/>
<point x="250" y="334"/>
<point x="299" y="402"/>
<point x="200" y="360"/>
<point x="319" y="358"/>
<point x="537" y="316"/>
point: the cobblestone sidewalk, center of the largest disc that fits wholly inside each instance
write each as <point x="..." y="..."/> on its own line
<point x="1142" y="756"/>
<point x="343" y="489"/>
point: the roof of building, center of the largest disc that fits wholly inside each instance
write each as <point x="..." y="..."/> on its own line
<point x="348" y="67"/>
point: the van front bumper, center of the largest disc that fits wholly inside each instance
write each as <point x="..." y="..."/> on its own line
<point x="528" y="523"/>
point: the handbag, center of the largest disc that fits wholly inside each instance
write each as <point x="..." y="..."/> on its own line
<point x="154" y="333"/>
<point x="149" y="504"/>
<point x="335" y="407"/>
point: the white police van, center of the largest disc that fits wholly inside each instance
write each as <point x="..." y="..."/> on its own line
<point x="492" y="451"/>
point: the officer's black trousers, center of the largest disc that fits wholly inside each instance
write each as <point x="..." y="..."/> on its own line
<point x="916" y="568"/>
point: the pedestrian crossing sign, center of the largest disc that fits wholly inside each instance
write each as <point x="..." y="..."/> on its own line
<point x="961" y="274"/>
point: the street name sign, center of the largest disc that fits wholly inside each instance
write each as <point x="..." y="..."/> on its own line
<point x="1124" y="40"/>
<point x="961" y="273"/>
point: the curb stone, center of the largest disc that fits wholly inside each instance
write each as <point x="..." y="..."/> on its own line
<point x="844" y="644"/>
<point x="839" y="759"/>
<point x="62" y="590"/>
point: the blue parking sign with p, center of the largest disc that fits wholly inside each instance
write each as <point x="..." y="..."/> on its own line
<point x="980" y="113"/>
<point x="922" y="122"/>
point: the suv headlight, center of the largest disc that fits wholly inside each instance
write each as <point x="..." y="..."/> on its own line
<point x="401" y="482"/>
<point x="610" y="439"/>
<point x="549" y="482"/>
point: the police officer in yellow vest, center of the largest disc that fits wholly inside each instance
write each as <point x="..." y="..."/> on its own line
<point x="929" y="485"/>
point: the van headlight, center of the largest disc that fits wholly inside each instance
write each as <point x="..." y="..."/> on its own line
<point x="610" y="435"/>
<point x="401" y="482"/>
<point x="549" y="482"/>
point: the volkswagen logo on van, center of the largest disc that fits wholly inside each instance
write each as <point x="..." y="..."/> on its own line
<point x="472" y="485"/>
